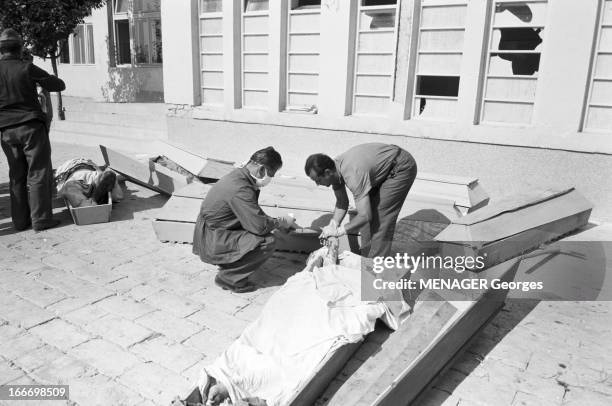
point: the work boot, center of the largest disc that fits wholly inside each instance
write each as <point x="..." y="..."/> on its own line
<point x="104" y="185"/>
<point x="242" y="288"/>
<point x="45" y="224"/>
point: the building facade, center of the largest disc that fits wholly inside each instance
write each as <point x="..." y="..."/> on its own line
<point x="116" y="55"/>
<point x="531" y="73"/>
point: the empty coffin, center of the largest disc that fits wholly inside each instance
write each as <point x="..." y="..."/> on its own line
<point x="515" y="225"/>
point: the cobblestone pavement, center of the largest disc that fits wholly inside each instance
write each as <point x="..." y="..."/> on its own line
<point x="126" y="320"/>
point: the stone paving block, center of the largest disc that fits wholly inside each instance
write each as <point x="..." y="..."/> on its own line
<point x="174" y="357"/>
<point x="108" y="358"/>
<point x="62" y="371"/>
<point x="250" y="312"/>
<point x="98" y="275"/>
<point x="22" y="313"/>
<point x="123" y="285"/>
<point x="174" y="304"/>
<point x="100" y="390"/>
<point x="223" y="323"/>
<point x="142" y="291"/>
<point x="73" y="285"/>
<point x="125" y="307"/>
<point x="65" y="261"/>
<point x="118" y="330"/>
<point x="583" y="396"/>
<point x="38" y="357"/>
<point x="61" y="334"/>
<point x="155" y="382"/>
<point x="220" y="299"/>
<point x="39" y="294"/>
<point x="478" y="386"/>
<point x="193" y="372"/>
<point x="20" y="345"/>
<point x="543" y="388"/>
<point x="68" y="305"/>
<point x="178" y="284"/>
<point x="527" y="399"/>
<point x="174" y="328"/>
<point x="9" y="372"/>
<point x="85" y="314"/>
<point x="8" y="331"/>
<point x="140" y="272"/>
<point x="209" y="343"/>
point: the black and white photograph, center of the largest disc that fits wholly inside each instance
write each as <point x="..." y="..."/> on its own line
<point x="306" y="202"/>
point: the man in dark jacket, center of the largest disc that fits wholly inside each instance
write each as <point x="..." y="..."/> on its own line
<point x="232" y="231"/>
<point x="25" y="139"/>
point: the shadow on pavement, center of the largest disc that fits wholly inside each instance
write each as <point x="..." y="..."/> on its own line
<point x="133" y="202"/>
<point x="465" y="362"/>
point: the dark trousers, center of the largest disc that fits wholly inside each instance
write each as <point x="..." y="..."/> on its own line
<point x="237" y="273"/>
<point x="386" y="201"/>
<point x="28" y="152"/>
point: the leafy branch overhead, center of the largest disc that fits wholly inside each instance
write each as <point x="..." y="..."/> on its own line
<point x="43" y="23"/>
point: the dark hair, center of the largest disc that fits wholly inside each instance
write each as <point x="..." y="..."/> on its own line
<point x="268" y="157"/>
<point x="319" y="163"/>
<point x="10" y="47"/>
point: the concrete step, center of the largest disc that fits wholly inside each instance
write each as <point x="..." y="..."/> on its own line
<point x="134" y="145"/>
<point x="108" y="129"/>
<point x="123" y="119"/>
<point x="74" y="104"/>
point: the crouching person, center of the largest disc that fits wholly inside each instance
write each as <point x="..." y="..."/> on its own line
<point x="232" y="231"/>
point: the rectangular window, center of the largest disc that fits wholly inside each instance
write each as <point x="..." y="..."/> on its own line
<point x="374" y="70"/>
<point x="83" y="45"/>
<point x="256" y="5"/>
<point x="516" y="36"/>
<point x="439" y="57"/>
<point x="122" y="42"/>
<point x="137" y="26"/>
<point x="599" y="107"/>
<point x="147" y="40"/>
<point x="64" y="52"/>
<point x="303" y="47"/>
<point x="255" y="51"/>
<point x="211" y="52"/>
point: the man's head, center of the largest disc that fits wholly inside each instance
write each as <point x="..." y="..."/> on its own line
<point x="322" y="170"/>
<point x="265" y="162"/>
<point x="10" y="42"/>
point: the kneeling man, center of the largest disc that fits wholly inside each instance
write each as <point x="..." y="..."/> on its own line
<point x="232" y="231"/>
<point x="379" y="176"/>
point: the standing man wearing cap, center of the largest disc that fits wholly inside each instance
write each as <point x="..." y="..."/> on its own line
<point x="24" y="135"/>
<point x="379" y="176"/>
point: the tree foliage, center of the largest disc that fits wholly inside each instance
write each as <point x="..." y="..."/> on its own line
<point x="43" y="23"/>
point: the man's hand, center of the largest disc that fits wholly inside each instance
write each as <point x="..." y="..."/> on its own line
<point x="332" y="230"/>
<point x="286" y="223"/>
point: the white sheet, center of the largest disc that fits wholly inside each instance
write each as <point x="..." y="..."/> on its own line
<point x="312" y="315"/>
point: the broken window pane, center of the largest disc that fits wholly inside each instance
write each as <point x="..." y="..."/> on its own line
<point x="374" y="19"/>
<point x="305" y="4"/>
<point x="514" y="64"/>
<point x="370" y="3"/>
<point x="437" y="86"/>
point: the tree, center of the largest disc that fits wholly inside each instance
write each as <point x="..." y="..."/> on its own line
<point x="43" y="24"/>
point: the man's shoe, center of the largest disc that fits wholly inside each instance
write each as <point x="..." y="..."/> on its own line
<point x="242" y="288"/>
<point x="45" y="224"/>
